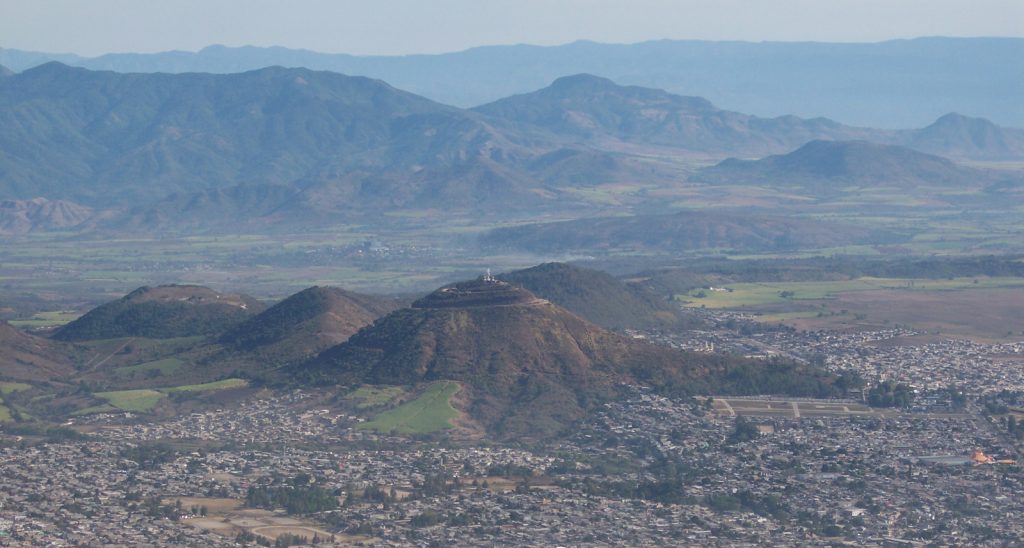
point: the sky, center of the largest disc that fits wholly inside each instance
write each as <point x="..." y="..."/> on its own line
<point x="397" y="27"/>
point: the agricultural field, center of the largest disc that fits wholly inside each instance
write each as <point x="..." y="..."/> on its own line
<point x="430" y="412"/>
<point x="209" y="386"/>
<point x="166" y="366"/>
<point x="374" y="396"/>
<point x="139" y="401"/>
<point x="42" y="320"/>
<point x="146" y="399"/>
<point x="752" y="294"/>
<point x="11" y="387"/>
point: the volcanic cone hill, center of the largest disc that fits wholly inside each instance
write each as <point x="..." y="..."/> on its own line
<point x="25" y="357"/>
<point x="597" y="296"/>
<point x="529" y="368"/>
<point x="307" y="322"/>
<point x="162" y="312"/>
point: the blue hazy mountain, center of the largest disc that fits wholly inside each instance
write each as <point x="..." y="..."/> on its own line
<point x="898" y="83"/>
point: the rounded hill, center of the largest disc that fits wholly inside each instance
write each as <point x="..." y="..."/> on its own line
<point x="162" y="312"/>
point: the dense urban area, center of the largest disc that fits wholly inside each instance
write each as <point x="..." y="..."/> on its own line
<point x="294" y="467"/>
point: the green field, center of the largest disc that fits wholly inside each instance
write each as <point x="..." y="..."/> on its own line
<point x="205" y="387"/>
<point x="165" y="366"/>
<point x="9" y="387"/>
<point x="752" y="294"/>
<point x="373" y="396"/>
<point x="430" y="412"/>
<point x="48" y="319"/>
<point x="133" y="400"/>
<point x="5" y="414"/>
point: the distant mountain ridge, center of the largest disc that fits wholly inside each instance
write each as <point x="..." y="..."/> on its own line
<point x="21" y="216"/>
<point x="681" y="232"/>
<point x="892" y="84"/>
<point x="833" y="165"/>
<point x="298" y="148"/>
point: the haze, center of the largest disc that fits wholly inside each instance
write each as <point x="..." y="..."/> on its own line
<point x="396" y="27"/>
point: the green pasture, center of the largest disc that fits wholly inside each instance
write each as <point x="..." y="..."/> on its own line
<point x="139" y="401"/>
<point x="209" y="386"/>
<point x="753" y="294"/>
<point x="48" y="319"/>
<point x="373" y="396"/>
<point x="430" y="412"/>
<point x="165" y="366"/>
<point x="145" y="399"/>
<point x="9" y="387"/>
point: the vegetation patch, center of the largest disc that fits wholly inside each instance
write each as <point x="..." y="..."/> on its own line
<point x="5" y="414"/>
<point x="752" y="294"/>
<point x="165" y="366"/>
<point x="205" y="387"/>
<point x="132" y="400"/>
<point x="9" y="387"/>
<point x="373" y="396"/>
<point x="431" y="412"/>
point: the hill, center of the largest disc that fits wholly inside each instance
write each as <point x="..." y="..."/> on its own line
<point x="596" y="296"/>
<point x="829" y="166"/>
<point x="25" y="357"/>
<point x="529" y="368"/>
<point x="958" y="136"/>
<point x="306" y="323"/>
<point x="273" y="146"/>
<point x="162" y="312"/>
<point x="681" y="232"/>
<point x="598" y="110"/>
<point x="40" y="214"/>
<point x="893" y="84"/>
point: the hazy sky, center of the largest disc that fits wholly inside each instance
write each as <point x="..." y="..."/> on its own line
<point x="93" y="27"/>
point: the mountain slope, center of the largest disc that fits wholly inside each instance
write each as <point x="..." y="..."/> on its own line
<point x="274" y="146"/>
<point x="78" y="134"/>
<point x="893" y="84"/>
<point x="530" y="368"/>
<point x="162" y="312"/>
<point x="594" y="295"/>
<point x="596" y="109"/>
<point x="306" y="323"/>
<point x="831" y="165"/>
<point x="681" y="232"/>
<point x="21" y="216"/>
<point x="958" y="136"/>
<point x="25" y="357"/>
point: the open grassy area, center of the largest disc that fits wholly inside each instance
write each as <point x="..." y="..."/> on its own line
<point x="430" y="412"/>
<point x="373" y="396"/>
<point x="205" y="387"/>
<point x="133" y="400"/>
<point x="165" y="366"/>
<point x="9" y="387"/>
<point x="753" y="294"/>
<point x="48" y="319"/>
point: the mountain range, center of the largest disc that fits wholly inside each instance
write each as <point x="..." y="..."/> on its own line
<point x="829" y="166"/>
<point x="293" y="146"/>
<point x="897" y="83"/>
